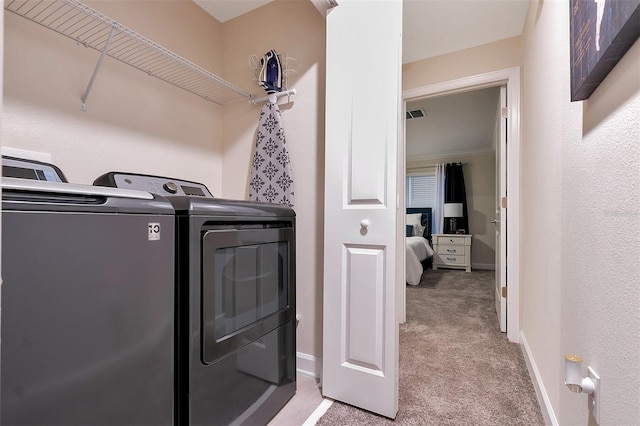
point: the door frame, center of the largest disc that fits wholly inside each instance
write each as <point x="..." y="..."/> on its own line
<point x="511" y="78"/>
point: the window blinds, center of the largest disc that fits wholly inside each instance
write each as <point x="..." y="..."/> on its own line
<point x="421" y="191"/>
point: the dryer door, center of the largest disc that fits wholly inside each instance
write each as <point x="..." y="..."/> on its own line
<point x="246" y="277"/>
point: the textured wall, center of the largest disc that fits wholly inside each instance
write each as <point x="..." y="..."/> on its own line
<point x="581" y="233"/>
<point x="541" y="197"/>
<point x="500" y="55"/>
<point x="297" y="29"/>
<point x="133" y="122"/>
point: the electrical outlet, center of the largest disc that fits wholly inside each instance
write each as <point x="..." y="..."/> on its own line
<point x="594" y="398"/>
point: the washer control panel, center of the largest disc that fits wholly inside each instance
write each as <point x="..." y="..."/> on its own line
<point x="164" y="186"/>
<point x="29" y="169"/>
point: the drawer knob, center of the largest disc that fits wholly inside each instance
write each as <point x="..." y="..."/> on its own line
<point x="365" y="223"/>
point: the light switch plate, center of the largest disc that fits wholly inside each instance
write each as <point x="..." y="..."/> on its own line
<point x="594" y="398"/>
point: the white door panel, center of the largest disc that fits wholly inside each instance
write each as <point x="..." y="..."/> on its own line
<point x="360" y="329"/>
<point x="363" y="342"/>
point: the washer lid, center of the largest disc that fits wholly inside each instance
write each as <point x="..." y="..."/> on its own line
<point x="161" y="185"/>
<point x="28" y="185"/>
<point x="27" y="195"/>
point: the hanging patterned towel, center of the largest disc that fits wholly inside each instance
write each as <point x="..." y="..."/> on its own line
<point x="271" y="179"/>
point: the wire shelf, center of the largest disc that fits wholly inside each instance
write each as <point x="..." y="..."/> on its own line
<point x="91" y="28"/>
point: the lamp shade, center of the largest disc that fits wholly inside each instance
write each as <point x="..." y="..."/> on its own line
<point x="452" y="210"/>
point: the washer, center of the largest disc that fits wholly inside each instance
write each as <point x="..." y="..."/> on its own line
<point x="235" y="313"/>
<point x="87" y="302"/>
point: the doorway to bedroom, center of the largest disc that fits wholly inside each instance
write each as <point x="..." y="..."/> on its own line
<point x="452" y="169"/>
<point x="454" y="134"/>
<point x="442" y="139"/>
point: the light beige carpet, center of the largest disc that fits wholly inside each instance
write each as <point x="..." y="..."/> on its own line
<point x="456" y="368"/>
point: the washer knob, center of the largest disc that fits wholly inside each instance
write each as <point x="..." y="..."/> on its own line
<point x="170" y="187"/>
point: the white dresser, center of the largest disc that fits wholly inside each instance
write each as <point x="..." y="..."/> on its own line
<point x="452" y="251"/>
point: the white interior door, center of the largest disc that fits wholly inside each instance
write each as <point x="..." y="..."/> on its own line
<point x="501" y="216"/>
<point x="360" y="328"/>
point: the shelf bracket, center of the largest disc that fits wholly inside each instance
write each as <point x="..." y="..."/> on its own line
<point x="83" y="104"/>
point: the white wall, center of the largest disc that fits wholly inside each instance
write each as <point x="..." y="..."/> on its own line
<point x="297" y="29"/>
<point x="500" y="55"/>
<point x="133" y="122"/>
<point x="581" y="233"/>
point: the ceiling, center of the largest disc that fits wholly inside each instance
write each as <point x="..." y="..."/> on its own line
<point x="458" y="124"/>
<point x="436" y="27"/>
<point x="224" y="10"/>
<point x="430" y="27"/>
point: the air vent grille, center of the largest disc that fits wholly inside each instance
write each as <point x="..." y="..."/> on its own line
<point x="416" y="113"/>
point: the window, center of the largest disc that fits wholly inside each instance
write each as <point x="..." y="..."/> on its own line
<point x="421" y="192"/>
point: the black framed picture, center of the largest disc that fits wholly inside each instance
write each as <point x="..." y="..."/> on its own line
<point x="601" y="33"/>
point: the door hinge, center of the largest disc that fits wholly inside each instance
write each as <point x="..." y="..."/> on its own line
<point x="503" y="202"/>
<point x="504" y="112"/>
<point x="504" y="292"/>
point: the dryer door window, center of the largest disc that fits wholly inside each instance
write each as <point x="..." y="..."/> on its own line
<point x="246" y="277"/>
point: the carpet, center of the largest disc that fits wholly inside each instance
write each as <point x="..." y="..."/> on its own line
<point x="456" y="367"/>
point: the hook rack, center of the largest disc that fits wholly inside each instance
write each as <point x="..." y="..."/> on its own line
<point x="91" y="28"/>
<point x="273" y="97"/>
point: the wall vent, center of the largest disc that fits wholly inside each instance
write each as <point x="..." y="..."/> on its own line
<point x="416" y="113"/>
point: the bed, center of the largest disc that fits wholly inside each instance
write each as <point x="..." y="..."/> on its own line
<point x="419" y="253"/>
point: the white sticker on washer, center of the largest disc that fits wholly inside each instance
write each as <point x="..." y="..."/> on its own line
<point x="154" y="231"/>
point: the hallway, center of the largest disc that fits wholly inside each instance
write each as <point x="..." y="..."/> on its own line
<point x="456" y="368"/>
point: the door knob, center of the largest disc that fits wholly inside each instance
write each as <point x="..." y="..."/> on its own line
<point x="494" y="221"/>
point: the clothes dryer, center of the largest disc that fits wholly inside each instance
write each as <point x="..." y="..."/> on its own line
<point x="235" y="308"/>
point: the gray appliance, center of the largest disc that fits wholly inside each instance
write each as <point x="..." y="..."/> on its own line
<point x="87" y="302"/>
<point x="236" y="360"/>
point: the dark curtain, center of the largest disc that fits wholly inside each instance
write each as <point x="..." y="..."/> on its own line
<point x="454" y="192"/>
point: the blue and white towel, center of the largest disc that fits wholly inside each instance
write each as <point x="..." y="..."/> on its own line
<point x="271" y="179"/>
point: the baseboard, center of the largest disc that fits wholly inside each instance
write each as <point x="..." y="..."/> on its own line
<point x="309" y="365"/>
<point x="319" y="412"/>
<point x="484" y="266"/>
<point x="541" y="392"/>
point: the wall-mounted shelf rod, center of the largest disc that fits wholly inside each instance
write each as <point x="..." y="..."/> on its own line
<point x="83" y="100"/>
<point x="273" y="97"/>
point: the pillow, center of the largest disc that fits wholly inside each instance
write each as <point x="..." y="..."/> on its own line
<point x="414" y="219"/>
<point x="409" y="230"/>
<point x="418" y="230"/>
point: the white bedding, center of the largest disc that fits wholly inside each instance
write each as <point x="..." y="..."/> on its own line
<point x="418" y="249"/>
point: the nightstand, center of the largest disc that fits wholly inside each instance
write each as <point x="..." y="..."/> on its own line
<point x="452" y="251"/>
